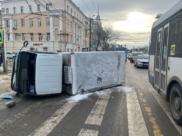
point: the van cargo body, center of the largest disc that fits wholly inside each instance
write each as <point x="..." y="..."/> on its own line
<point x="37" y="73"/>
<point x="90" y="71"/>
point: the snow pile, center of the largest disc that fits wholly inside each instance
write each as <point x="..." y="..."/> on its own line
<point x="5" y="83"/>
<point x="125" y="89"/>
<point x="1" y="80"/>
<point x="80" y="97"/>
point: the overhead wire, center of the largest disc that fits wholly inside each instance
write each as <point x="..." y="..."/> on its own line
<point x="94" y="5"/>
<point x="87" y="7"/>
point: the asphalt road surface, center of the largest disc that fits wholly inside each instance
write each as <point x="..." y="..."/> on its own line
<point x="133" y="110"/>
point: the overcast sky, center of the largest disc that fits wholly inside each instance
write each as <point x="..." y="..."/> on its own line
<point x="131" y="18"/>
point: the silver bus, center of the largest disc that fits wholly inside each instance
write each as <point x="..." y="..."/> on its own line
<point x="165" y="63"/>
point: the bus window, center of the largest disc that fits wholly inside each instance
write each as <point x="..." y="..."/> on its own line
<point x="175" y="48"/>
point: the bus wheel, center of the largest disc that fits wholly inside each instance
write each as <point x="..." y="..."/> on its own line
<point x="176" y="104"/>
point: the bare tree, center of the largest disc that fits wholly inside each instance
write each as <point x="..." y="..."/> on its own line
<point x="110" y="38"/>
<point x="105" y="39"/>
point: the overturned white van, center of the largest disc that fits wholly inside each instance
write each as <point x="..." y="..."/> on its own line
<point x="90" y="71"/>
<point x="37" y="73"/>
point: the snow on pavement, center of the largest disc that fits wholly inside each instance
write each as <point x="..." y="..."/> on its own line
<point x="84" y="96"/>
<point x="5" y="80"/>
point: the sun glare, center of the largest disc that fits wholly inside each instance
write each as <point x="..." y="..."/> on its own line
<point x="136" y="22"/>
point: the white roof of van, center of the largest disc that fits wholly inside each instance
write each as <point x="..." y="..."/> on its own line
<point x="177" y="7"/>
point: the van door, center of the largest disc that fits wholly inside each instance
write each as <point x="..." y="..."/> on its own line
<point x="158" y="59"/>
<point x="22" y="73"/>
<point x="48" y="74"/>
<point x="164" y="59"/>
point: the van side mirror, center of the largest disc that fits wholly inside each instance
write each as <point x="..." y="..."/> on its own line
<point x="25" y="44"/>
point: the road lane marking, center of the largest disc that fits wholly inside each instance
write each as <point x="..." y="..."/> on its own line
<point x="156" y="129"/>
<point x="136" y="123"/>
<point x="163" y="104"/>
<point x="87" y="132"/>
<point x="52" y="122"/>
<point x="96" y="115"/>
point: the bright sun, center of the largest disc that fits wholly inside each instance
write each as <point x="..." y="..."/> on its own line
<point x="136" y="22"/>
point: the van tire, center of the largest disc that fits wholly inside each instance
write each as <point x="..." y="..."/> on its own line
<point x="175" y="102"/>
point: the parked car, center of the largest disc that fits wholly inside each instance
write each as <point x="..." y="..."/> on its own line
<point x="10" y="55"/>
<point x="142" y="61"/>
<point x="134" y="55"/>
<point x="129" y="56"/>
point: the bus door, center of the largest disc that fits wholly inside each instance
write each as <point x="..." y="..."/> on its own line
<point x="161" y="58"/>
<point x="158" y="58"/>
<point x="164" y="50"/>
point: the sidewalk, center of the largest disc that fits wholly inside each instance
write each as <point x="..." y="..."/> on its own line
<point x="5" y="80"/>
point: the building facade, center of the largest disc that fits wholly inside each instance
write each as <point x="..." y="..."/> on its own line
<point x="54" y="26"/>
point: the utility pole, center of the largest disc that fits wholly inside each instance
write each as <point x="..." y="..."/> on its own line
<point x="2" y="36"/>
<point x="90" y="34"/>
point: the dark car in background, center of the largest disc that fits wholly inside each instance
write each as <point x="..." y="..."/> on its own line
<point x="134" y="55"/>
<point x="142" y="61"/>
<point x="129" y="56"/>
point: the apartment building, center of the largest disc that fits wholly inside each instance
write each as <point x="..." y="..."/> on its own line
<point x="53" y="26"/>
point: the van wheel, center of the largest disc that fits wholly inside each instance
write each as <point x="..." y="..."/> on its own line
<point x="176" y="103"/>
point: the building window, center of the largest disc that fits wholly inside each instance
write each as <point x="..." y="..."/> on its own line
<point x="39" y="36"/>
<point x="15" y="23"/>
<point x="23" y="37"/>
<point x="14" y="10"/>
<point x="38" y="8"/>
<point x="47" y="21"/>
<point x="48" y="37"/>
<point x="7" y="23"/>
<point x="21" y="9"/>
<point x="8" y="37"/>
<point x="31" y="37"/>
<point x="30" y="22"/>
<point x="67" y="23"/>
<point x="45" y="49"/>
<point x="71" y="25"/>
<point x="22" y="22"/>
<point x="75" y="14"/>
<point x="30" y="8"/>
<point x="16" y="37"/>
<point x="67" y="8"/>
<point x="71" y="50"/>
<point x="39" y="21"/>
<point x="47" y="7"/>
<point x="71" y="39"/>
<point x="68" y="50"/>
<point x="71" y="11"/>
<point x="7" y="10"/>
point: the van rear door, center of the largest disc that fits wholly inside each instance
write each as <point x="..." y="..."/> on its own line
<point x="48" y="79"/>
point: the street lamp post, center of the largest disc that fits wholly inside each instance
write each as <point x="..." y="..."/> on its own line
<point x="90" y="34"/>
